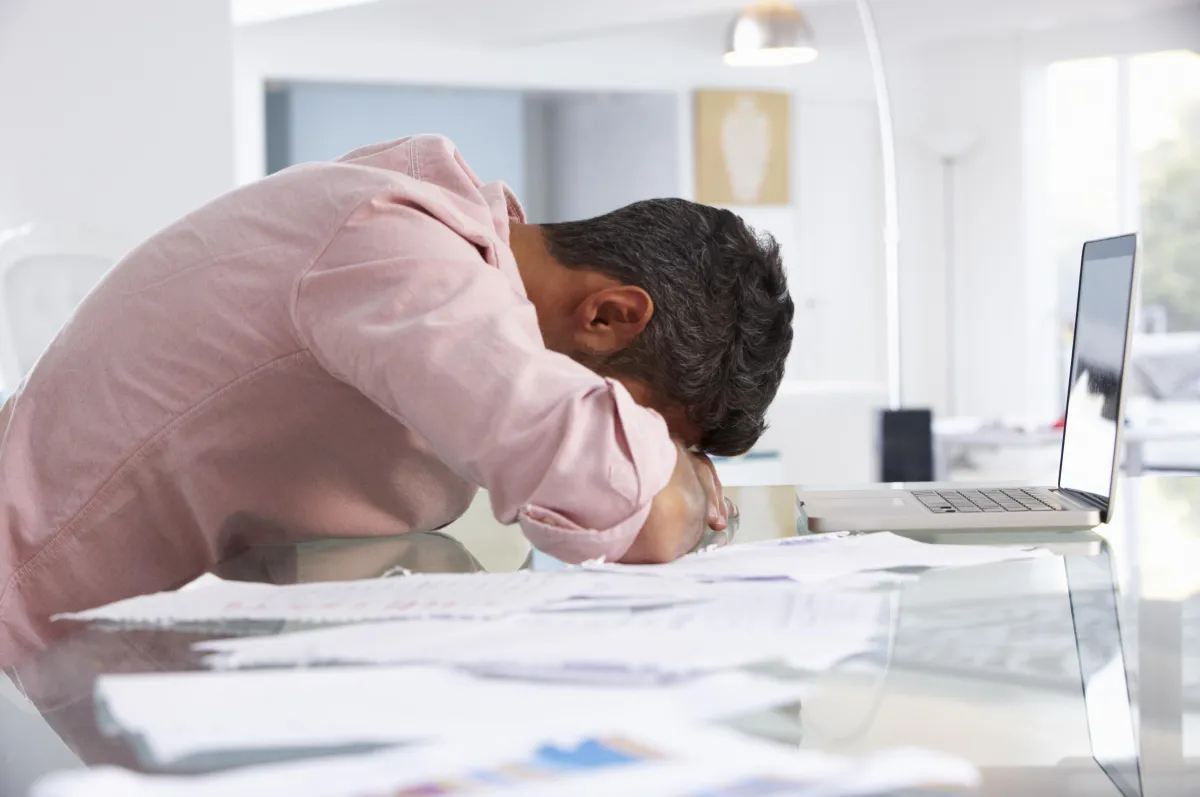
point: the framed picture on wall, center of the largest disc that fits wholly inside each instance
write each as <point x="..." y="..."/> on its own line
<point x="742" y="147"/>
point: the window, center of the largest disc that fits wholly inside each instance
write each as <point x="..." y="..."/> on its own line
<point x="1123" y="141"/>
<point x="1164" y="104"/>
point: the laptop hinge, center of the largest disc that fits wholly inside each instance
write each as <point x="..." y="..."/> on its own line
<point x="1087" y="499"/>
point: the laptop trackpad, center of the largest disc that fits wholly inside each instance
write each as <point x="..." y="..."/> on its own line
<point x="858" y="504"/>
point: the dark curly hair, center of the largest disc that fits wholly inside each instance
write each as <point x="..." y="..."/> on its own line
<point x="722" y="324"/>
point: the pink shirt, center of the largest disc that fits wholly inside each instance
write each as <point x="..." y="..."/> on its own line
<point x="342" y="349"/>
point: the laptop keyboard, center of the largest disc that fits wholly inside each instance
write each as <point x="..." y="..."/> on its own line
<point x="945" y="502"/>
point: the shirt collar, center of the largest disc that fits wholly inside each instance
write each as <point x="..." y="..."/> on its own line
<point x="506" y="210"/>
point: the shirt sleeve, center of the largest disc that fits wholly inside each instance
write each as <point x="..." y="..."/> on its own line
<point x="408" y="312"/>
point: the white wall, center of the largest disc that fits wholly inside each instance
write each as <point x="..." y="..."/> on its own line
<point x="117" y="116"/>
<point x="837" y="267"/>
<point x="973" y="90"/>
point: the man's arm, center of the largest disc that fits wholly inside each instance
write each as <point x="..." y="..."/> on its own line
<point x="405" y="310"/>
<point x="681" y="513"/>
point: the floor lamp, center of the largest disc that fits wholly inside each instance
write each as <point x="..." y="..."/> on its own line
<point x="951" y="146"/>
<point x="905" y="433"/>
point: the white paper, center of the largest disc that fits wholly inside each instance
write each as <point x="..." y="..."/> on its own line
<point x="739" y="624"/>
<point x="662" y="759"/>
<point x="818" y="559"/>
<point x="474" y="595"/>
<point x="186" y="718"/>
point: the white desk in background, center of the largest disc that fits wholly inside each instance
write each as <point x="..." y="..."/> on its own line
<point x="965" y="433"/>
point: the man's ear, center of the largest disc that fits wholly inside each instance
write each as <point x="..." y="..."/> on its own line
<point x="609" y="319"/>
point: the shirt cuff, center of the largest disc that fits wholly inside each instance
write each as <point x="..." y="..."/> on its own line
<point x="557" y="536"/>
<point x="643" y="436"/>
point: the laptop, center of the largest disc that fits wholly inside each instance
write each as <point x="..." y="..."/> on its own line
<point x="1088" y="460"/>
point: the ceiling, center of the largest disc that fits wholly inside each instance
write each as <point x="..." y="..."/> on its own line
<point x="524" y="23"/>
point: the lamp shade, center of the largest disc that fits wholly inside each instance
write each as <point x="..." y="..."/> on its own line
<point x="770" y="34"/>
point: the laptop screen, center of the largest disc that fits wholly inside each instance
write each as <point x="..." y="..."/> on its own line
<point x="1089" y="445"/>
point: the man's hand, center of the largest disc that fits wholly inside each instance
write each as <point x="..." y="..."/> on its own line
<point x="718" y="507"/>
<point x="680" y="513"/>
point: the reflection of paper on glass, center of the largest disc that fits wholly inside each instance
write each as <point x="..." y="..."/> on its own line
<point x="668" y="760"/>
<point x="474" y="595"/>
<point x="823" y="558"/>
<point x="742" y="624"/>
<point x="196" y="719"/>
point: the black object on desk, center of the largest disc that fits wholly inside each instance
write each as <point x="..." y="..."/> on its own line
<point x="906" y="446"/>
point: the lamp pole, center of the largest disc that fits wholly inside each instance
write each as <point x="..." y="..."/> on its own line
<point x="891" y="205"/>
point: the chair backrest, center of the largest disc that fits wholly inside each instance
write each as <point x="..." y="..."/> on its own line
<point x="38" y="294"/>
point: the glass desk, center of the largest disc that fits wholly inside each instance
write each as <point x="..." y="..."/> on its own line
<point x="984" y="663"/>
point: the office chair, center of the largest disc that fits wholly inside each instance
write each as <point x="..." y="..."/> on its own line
<point x="38" y="294"/>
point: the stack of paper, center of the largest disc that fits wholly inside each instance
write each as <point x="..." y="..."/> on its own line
<point x="738" y="625"/>
<point x="205" y="719"/>
<point x="870" y="559"/>
<point x="467" y="596"/>
<point x="675" y="760"/>
<point x="604" y="647"/>
<point x="824" y="558"/>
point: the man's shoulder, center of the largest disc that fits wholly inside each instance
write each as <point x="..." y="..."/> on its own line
<point x="421" y="157"/>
